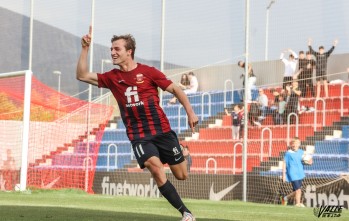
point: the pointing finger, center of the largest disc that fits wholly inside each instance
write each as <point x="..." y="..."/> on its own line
<point x="90" y="30"/>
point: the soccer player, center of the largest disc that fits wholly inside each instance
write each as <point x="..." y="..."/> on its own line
<point x="134" y="86"/>
<point x="293" y="171"/>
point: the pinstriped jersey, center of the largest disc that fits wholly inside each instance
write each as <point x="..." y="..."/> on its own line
<point x="137" y="96"/>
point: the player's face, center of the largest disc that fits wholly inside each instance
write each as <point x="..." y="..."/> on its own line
<point x="296" y="144"/>
<point x="119" y="54"/>
<point x="321" y="50"/>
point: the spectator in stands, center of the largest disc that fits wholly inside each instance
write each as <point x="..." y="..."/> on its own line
<point x="293" y="171"/>
<point x="306" y="76"/>
<point x="184" y="83"/>
<point x="279" y="112"/>
<point x="276" y="94"/>
<point x="188" y="89"/>
<point x="251" y="82"/>
<point x="301" y="60"/>
<point x="242" y="123"/>
<point x="253" y="114"/>
<point x="135" y="87"/>
<point x="292" y="100"/>
<point x="262" y="102"/>
<point x="321" y="66"/>
<point x="290" y="66"/>
<point x="187" y="157"/>
<point x="235" y="121"/>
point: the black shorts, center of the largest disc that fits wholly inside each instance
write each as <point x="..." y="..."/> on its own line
<point x="164" y="146"/>
<point x="321" y="75"/>
<point x="287" y="81"/>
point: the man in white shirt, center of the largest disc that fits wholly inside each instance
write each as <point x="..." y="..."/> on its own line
<point x="262" y="101"/>
<point x="290" y="66"/>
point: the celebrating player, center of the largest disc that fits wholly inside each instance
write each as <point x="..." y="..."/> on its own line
<point x="134" y="86"/>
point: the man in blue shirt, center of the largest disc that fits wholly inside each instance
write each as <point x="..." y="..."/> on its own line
<point x="293" y="171"/>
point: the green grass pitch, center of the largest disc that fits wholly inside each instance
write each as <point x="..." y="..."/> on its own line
<point x="75" y="205"/>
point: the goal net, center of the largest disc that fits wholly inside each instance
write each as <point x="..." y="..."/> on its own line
<point x="219" y="158"/>
<point x="72" y="143"/>
<point x="62" y="145"/>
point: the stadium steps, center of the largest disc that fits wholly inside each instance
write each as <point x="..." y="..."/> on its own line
<point x="306" y="121"/>
<point x="305" y="118"/>
<point x="333" y="153"/>
<point x="48" y="159"/>
<point x="131" y="164"/>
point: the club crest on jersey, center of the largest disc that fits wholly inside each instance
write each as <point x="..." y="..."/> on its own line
<point x="139" y="78"/>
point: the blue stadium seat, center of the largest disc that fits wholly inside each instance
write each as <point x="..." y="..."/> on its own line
<point x="115" y="161"/>
<point x="332" y="147"/>
<point x="345" y="132"/>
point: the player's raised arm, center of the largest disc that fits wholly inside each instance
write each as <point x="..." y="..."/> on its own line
<point x="82" y="73"/>
<point x="183" y="99"/>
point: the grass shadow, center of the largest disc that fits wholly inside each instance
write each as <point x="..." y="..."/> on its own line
<point x="47" y="213"/>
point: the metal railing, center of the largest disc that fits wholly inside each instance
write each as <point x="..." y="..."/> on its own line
<point x="202" y="104"/>
<point x="225" y="91"/>
<point x="288" y="126"/>
<point x="215" y="164"/>
<point x="179" y="119"/>
<point x="262" y="142"/>
<point x="342" y="97"/>
<point x="234" y="159"/>
<point x="116" y="156"/>
<point x="323" y="112"/>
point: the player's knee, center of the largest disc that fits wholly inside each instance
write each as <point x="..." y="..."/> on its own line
<point x="182" y="176"/>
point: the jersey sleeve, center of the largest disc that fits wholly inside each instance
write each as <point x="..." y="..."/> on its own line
<point x="160" y="79"/>
<point x="329" y="52"/>
<point x="103" y="80"/>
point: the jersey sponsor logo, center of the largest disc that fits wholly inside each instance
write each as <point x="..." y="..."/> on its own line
<point x="218" y="196"/>
<point x="139" y="78"/>
<point x="132" y="97"/>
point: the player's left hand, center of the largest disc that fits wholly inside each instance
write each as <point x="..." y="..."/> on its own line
<point x="86" y="39"/>
<point x="193" y="120"/>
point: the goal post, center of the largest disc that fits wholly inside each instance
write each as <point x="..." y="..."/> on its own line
<point x="26" y="120"/>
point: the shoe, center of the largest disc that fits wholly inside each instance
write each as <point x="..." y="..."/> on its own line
<point x="188" y="217"/>
<point x="257" y="123"/>
<point x="300" y="205"/>
<point x="284" y="200"/>
<point x="261" y="117"/>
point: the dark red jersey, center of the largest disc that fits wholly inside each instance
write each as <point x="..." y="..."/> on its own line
<point x="137" y="96"/>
